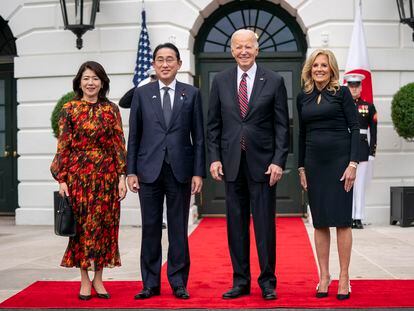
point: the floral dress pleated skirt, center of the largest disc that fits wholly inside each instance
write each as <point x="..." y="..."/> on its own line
<point x="90" y="157"/>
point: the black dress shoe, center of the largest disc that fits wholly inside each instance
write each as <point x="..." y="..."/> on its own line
<point x="181" y="292"/>
<point x="236" y="292"/>
<point x="84" y="297"/>
<point x="268" y="293"/>
<point x="148" y="292"/>
<point x="358" y="224"/>
<point x="353" y="224"/>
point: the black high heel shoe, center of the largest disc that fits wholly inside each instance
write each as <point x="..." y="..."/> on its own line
<point x="322" y="294"/>
<point x="345" y="296"/>
<point x="101" y="295"/>
<point x="84" y="297"/>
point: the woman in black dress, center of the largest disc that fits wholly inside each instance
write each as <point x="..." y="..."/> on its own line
<point x="328" y="155"/>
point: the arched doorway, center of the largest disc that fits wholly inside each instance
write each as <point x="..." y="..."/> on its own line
<point x="8" y="122"/>
<point x="283" y="48"/>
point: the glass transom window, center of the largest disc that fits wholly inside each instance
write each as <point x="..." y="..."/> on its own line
<point x="273" y="34"/>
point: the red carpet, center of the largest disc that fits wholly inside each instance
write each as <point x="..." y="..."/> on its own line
<point x="211" y="273"/>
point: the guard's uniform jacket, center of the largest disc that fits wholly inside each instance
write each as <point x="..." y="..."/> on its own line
<point x="367" y="117"/>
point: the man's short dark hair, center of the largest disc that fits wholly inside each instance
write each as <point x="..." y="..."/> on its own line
<point x="166" y="45"/>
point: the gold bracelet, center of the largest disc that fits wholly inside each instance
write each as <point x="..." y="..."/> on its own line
<point x="352" y="165"/>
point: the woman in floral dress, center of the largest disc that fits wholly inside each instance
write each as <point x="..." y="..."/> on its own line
<point x="90" y="167"/>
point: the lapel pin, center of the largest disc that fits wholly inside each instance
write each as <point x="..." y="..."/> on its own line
<point x="153" y="96"/>
<point x="182" y="96"/>
<point x="261" y="79"/>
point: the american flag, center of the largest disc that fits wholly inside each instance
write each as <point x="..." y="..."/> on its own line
<point x="144" y="53"/>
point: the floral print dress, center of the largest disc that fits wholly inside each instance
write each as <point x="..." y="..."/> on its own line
<point x="90" y="157"/>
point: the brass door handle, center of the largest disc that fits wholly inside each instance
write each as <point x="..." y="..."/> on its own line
<point x="14" y="154"/>
<point x="6" y="154"/>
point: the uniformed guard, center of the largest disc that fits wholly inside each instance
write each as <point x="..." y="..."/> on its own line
<point x="126" y="99"/>
<point x="367" y="116"/>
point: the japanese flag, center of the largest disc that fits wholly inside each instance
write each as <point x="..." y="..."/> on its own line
<point x="357" y="61"/>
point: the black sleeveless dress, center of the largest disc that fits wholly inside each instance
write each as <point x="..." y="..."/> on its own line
<point x="328" y="141"/>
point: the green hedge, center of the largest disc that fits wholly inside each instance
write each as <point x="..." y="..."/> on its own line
<point x="402" y="111"/>
<point x="56" y="112"/>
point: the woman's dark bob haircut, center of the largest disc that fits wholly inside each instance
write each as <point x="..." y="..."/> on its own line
<point x="100" y="72"/>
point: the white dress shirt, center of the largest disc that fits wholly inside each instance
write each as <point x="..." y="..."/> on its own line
<point x="171" y="91"/>
<point x="251" y="74"/>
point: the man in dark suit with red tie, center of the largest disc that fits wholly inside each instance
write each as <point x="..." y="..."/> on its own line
<point x="166" y="157"/>
<point x="248" y="140"/>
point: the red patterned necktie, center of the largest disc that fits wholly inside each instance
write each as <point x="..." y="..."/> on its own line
<point x="243" y="104"/>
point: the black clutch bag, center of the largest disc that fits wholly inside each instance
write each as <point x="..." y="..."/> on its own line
<point x="65" y="224"/>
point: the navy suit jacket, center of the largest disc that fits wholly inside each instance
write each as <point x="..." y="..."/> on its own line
<point x="265" y="127"/>
<point x="149" y="137"/>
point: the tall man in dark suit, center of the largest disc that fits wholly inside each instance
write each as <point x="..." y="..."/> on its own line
<point x="165" y="157"/>
<point x="248" y="137"/>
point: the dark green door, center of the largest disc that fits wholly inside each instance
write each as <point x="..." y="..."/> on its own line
<point x="8" y="152"/>
<point x="289" y="195"/>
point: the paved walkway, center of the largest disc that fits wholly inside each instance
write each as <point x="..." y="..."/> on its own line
<point x="32" y="253"/>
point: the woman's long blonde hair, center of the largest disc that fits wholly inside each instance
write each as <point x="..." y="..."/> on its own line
<point x="307" y="81"/>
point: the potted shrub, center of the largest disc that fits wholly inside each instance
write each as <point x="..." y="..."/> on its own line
<point x="54" y="119"/>
<point x="402" y="114"/>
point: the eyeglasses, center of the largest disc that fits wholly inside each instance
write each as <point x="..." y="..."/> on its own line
<point x="161" y="61"/>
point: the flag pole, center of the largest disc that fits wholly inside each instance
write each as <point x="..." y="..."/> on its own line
<point x="357" y="60"/>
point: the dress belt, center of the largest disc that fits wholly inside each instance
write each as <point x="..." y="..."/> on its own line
<point x="363" y="131"/>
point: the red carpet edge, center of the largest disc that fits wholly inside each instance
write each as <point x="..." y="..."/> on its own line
<point x="211" y="275"/>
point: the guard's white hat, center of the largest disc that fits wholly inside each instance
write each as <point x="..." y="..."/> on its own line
<point x="151" y="71"/>
<point x="354" y="77"/>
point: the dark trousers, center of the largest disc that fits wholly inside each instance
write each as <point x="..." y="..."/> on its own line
<point x="243" y="195"/>
<point x="151" y="197"/>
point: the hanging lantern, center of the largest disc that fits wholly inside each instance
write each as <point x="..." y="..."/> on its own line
<point x="405" y="10"/>
<point x="79" y="16"/>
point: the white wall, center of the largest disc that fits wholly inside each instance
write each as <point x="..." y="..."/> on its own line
<point x="48" y="59"/>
